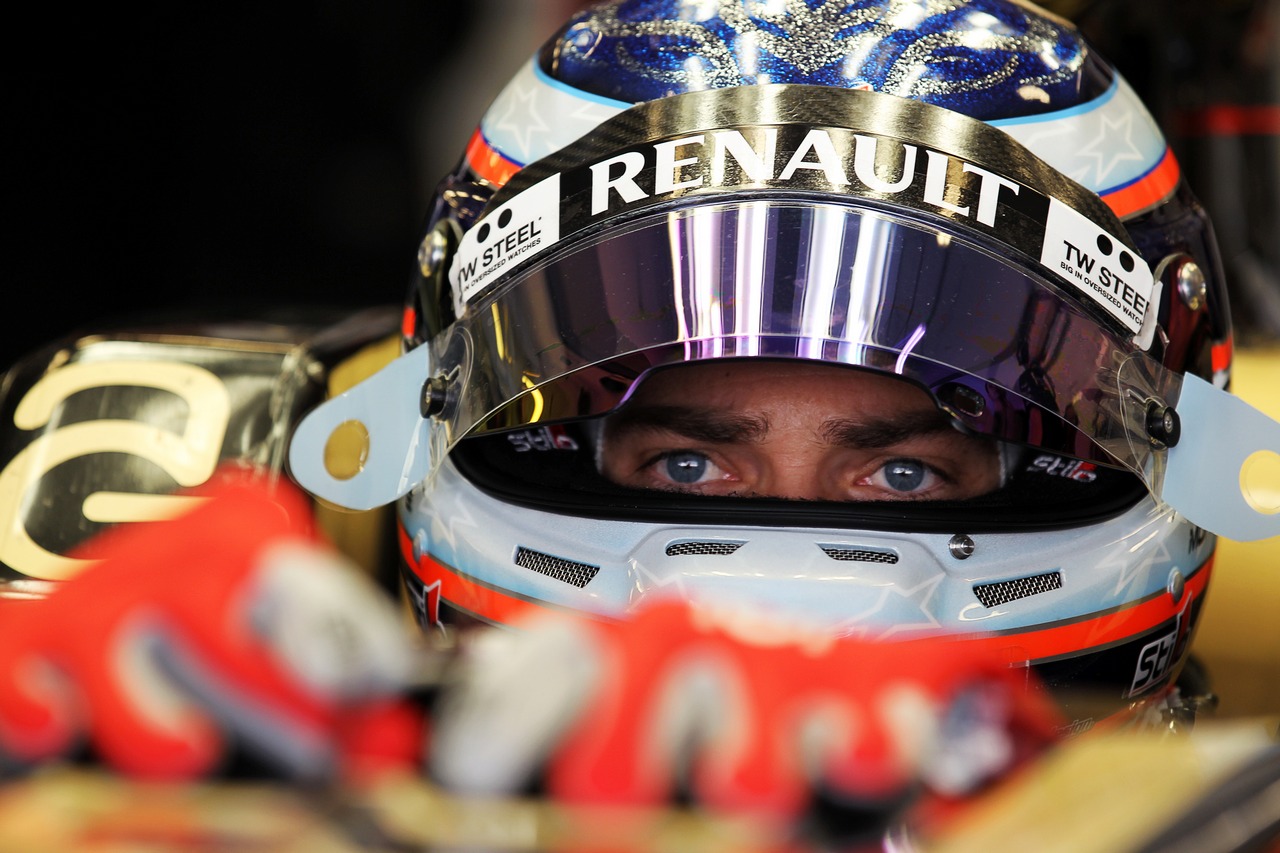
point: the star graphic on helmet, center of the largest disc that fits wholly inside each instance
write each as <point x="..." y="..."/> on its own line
<point x="1112" y="146"/>
<point x="896" y="610"/>
<point x="1134" y="561"/>
<point x="518" y="116"/>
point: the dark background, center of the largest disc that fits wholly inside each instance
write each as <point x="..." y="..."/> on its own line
<point x="200" y="156"/>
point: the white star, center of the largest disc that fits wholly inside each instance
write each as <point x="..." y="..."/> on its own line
<point x="1055" y="143"/>
<point x="1157" y="557"/>
<point x="1113" y="145"/>
<point x="1132" y="557"/>
<point x="660" y="585"/>
<point x="449" y="520"/>
<point x="894" y="602"/>
<point x="587" y="115"/>
<point x="519" y="118"/>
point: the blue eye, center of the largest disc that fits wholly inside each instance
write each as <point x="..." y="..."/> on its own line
<point x="905" y="475"/>
<point x="686" y="467"/>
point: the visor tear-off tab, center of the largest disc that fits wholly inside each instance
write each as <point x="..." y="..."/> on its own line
<point x="1205" y="475"/>
<point x="387" y="405"/>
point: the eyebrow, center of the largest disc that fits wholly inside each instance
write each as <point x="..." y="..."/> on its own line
<point x="885" y="432"/>
<point x="696" y="424"/>
<point x="735" y="428"/>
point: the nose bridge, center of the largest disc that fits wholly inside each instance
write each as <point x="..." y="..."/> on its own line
<point x="798" y="485"/>
<point x="797" y="469"/>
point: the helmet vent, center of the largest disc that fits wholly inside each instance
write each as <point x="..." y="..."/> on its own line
<point x="859" y="555"/>
<point x="995" y="594"/>
<point x="702" y="549"/>
<point x="578" y="574"/>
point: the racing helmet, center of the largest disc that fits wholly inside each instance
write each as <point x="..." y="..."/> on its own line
<point x="963" y="197"/>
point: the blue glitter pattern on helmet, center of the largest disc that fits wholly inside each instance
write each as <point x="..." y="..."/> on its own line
<point x="985" y="58"/>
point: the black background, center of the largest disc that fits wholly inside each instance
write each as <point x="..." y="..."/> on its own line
<point x="196" y="157"/>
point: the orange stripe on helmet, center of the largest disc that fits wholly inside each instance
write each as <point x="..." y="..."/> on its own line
<point x="1095" y="632"/>
<point x="1149" y="190"/>
<point x="459" y="591"/>
<point x="1220" y="355"/>
<point x="487" y="162"/>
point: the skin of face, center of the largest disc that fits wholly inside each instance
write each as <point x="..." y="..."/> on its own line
<point x="796" y="430"/>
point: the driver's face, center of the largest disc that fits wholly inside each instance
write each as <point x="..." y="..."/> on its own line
<point x="792" y="430"/>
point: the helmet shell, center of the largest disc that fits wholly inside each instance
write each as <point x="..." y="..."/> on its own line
<point x="1101" y="600"/>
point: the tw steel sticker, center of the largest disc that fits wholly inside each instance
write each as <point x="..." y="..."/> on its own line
<point x="519" y="229"/>
<point x="1090" y="260"/>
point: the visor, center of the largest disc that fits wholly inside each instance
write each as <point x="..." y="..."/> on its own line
<point x="1005" y="353"/>
<point x="1025" y="316"/>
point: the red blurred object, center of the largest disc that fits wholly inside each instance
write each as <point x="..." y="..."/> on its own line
<point x="168" y="649"/>
<point x="868" y="699"/>
<point x="740" y="714"/>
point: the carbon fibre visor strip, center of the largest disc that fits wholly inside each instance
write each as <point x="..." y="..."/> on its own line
<point x="792" y="138"/>
<point x="1036" y="644"/>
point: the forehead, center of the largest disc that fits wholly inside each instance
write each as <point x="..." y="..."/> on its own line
<point x="760" y="383"/>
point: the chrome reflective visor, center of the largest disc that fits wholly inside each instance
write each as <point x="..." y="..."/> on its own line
<point x="1012" y="295"/>
<point x="1004" y="352"/>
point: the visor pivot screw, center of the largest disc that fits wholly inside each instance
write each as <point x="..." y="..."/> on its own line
<point x="1163" y="425"/>
<point x="435" y="393"/>
<point x="961" y="546"/>
<point x="1192" y="287"/>
<point x="1177" y="585"/>
<point x="965" y="400"/>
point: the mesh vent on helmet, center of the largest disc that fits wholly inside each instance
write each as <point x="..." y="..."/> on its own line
<point x="578" y="574"/>
<point x="995" y="594"/>
<point x="696" y="548"/>
<point x="859" y="555"/>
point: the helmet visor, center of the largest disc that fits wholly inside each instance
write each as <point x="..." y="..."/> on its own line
<point x="1004" y="351"/>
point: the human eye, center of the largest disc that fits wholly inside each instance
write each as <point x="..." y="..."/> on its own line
<point x="684" y="468"/>
<point x="906" y="476"/>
